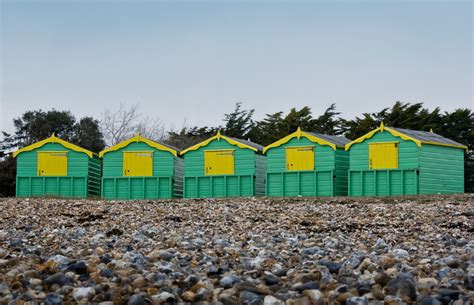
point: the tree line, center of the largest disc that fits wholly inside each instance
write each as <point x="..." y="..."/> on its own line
<point x="115" y="126"/>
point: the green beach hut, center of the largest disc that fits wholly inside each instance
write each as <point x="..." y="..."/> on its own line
<point x="54" y="167"/>
<point x="223" y="166"/>
<point x="139" y="168"/>
<point x="307" y="164"/>
<point x="395" y="161"/>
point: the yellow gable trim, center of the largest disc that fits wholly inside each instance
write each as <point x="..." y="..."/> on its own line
<point x="380" y="129"/>
<point x="138" y="138"/>
<point x="218" y="136"/>
<point x="399" y="135"/>
<point x="53" y="139"/>
<point x="298" y="134"/>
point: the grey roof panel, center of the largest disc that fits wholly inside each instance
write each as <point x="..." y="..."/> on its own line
<point x="426" y="136"/>
<point x="337" y="140"/>
<point x="248" y="143"/>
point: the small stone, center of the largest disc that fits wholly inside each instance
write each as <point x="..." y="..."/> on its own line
<point x="393" y="300"/>
<point x="78" y="267"/>
<point x="386" y="261"/>
<point x="53" y="299"/>
<point x="164" y="297"/>
<point x="270" y="279"/>
<point x="454" y="263"/>
<point x="343" y="297"/>
<point x="377" y="292"/>
<point x="357" y="301"/>
<point x="299" y="301"/>
<point x="139" y="283"/>
<point x="403" y="287"/>
<point x="83" y="293"/>
<point x="250" y="298"/>
<point x="430" y="301"/>
<point x="229" y="281"/>
<point x="108" y="273"/>
<point x="469" y="281"/>
<point x="305" y="286"/>
<point x="427" y="283"/>
<point x="188" y="296"/>
<point x="136" y="299"/>
<point x="380" y="245"/>
<point x="57" y="278"/>
<point x="332" y="266"/>
<point x="452" y="294"/>
<point x="271" y="300"/>
<point x="59" y="259"/>
<point x="316" y="296"/>
<point x="400" y="253"/>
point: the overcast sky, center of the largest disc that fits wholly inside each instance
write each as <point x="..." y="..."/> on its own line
<point x="193" y="60"/>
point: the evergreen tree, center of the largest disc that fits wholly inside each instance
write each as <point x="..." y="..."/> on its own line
<point x="239" y="122"/>
<point x="34" y="126"/>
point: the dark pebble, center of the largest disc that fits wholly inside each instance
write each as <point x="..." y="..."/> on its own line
<point x="402" y="286"/>
<point x="250" y="298"/>
<point x="78" y="267"/>
<point x="53" y="299"/>
<point x="332" y="266"/>
<point x="136" y="299"/>
<point x="57" y="278"/>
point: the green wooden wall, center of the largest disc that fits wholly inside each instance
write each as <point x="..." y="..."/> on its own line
<point x="342" y="171"/>
<point x="82" y="180"/>
<point x="402" y="181"/>
<point x="320" y="182"/>
<point x="441" y="170"/>
<point x="160" y="185"/>
<point x="247" y="180"/>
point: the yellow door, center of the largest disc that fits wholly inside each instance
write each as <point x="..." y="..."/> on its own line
<point x="137" y="163"/>
<point x="52" y="163"/>
<point x="383" y="155"/>
<point x="219" y="162"/>
<point x="300" y="158"/>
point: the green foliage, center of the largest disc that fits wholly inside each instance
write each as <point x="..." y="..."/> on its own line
<point x="275" y="126"/>
<point x="188" y="136"/>
<point x="7" y="176"/>
<point x="34" y="126"/>
<point x="86" y="134"/>
<point x="238" y="123"/>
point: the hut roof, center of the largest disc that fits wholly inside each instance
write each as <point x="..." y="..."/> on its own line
<point x="322" y="139"/>
<point x="138" y="138"/>
<point x="417" y="136"/>
<point x="54" y="139"/>
<point x="233" y="141"/>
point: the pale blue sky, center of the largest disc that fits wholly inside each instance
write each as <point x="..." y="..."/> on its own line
<point x="193" y="60"/>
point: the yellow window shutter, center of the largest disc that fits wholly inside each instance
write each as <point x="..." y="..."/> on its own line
<point x="300" y="158"/>
<point x="137" y="163"/>
<point x="383" y="155"/>
<point x="52" y="163"/>
<point x="219" y="162"/>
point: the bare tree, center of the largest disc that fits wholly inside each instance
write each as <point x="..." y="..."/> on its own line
<point x="124" y="123"/>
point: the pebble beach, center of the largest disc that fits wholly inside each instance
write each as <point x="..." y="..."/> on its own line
<point x="271" y="251"/>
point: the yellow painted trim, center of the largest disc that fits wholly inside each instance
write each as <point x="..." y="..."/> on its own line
<point x="53" y="139"/>
<point x="298" y="134"/>
<point x="380" y="129"/>
<point x="399" y="135"/>
<point x="218" y="136"/>
<point x="138" y="138"/>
